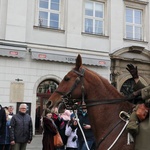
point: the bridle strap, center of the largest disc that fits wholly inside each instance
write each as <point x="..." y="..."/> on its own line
<point x="77" y="81"/>
<point x="82" y="88"/>
<point x="91" y="103"/>
<point x="61" y="93"/>
<point x="81" y="74"/>
<point x="67" y="96"/>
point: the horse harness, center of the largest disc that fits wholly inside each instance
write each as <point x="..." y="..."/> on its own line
<point x="74" y="104"/>
<point x="71" y="104"/>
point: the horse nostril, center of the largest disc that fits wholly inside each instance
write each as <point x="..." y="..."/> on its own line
<point x="49" y="104"/>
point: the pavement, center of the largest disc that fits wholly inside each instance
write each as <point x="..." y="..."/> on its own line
<point x="36" y="143"/>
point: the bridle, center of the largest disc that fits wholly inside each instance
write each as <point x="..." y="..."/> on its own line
<point x="73" y="104"/>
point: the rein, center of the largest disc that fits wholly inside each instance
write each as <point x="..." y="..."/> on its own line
<point x="91" y="103"/>
<point x="68" y="101"/>
<point x="103" y="138"/>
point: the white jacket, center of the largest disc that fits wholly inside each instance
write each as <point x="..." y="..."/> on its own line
<point x="71" y="134"/>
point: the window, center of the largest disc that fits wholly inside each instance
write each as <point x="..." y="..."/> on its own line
<point x="49" y="13"/>
<point x="127" y="87"/>
<point x="48" y="86"/>
<point x="134" y="28"/>
<point x="94" y="18"/>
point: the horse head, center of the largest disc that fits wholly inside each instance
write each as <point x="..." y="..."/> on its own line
<point x="69" y="89"/>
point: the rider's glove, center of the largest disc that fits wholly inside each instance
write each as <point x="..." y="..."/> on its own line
<point x="133" y="71"/>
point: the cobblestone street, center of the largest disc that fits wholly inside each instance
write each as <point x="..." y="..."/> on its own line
<point x="36" y="143"/>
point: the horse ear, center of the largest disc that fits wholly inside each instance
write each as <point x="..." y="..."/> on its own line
<point x="78" y="62"/>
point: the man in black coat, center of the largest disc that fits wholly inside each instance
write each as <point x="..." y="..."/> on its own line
<point x="21" y="129"/>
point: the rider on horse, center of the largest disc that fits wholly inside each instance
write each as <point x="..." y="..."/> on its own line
<point x="142" y="98"/>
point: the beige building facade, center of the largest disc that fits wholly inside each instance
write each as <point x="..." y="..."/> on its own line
<point x="40" y="39"/>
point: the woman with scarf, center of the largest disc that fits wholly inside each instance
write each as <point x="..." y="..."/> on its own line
<point x="49" y="130"/>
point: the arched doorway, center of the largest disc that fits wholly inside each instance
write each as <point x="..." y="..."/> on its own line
<point x="127" y="87"/>
<point x="44" y="91"/>
<point x="120" y="77"/>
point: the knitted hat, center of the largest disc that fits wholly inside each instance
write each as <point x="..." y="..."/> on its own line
<point x="72" y="115"/>
<point x="66" y="115"/>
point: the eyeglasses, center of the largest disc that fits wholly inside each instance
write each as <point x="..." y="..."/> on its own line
<point x="23" y="108"/>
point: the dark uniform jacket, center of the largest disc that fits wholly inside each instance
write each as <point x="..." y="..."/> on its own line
<point x="142" y="139"/>
<point x="21" y="128"/>
<point x="84" y="119"/>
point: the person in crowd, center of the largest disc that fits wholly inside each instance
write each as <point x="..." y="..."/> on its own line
<point x="11" y="109"/>
<point x="140" y="95"/>
<point x="49" y="130"/>
<point x="5" y="138"/>
<point x="21" y="129"/>
<point x="86" y="127"/>
<point x="37" y="119"/>
<point x="71" y="133"/>
<point x="2" y="121"/>
<point x="61" y="121"/>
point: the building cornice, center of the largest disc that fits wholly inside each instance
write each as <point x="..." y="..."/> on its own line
<point x="138" y="1"/>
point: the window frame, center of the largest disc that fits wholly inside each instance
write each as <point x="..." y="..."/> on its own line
<point x="135" y="25"/>
<point x="104" y="29"/>
<point x="60" y="12"/>
<point x="136" y="6"/>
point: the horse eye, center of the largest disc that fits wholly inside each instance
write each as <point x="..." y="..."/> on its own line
<point x="66" y="78"/>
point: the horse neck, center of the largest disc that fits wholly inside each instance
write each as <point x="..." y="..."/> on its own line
<point x="97" y="87"/>
<point x="103" y="117"/>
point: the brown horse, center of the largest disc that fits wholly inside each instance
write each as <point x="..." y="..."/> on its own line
<point x="103" y="101"/>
